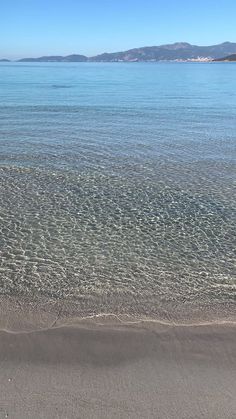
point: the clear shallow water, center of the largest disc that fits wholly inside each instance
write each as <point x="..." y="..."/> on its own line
<point x="117" y="185"/>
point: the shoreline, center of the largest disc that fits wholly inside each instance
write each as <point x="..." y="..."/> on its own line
<point x="56" y="364"/>
<point x="23" y="315"/>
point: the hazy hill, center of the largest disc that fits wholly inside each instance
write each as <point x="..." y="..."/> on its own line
<point x="231" y="57"/>
<point x="56" y="58"/>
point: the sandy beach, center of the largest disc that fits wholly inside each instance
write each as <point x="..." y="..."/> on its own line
<point x="117" y="225"/>
<point x="119" y="371"/>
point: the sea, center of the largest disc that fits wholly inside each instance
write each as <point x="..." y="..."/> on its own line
<point x="117" y="187"/>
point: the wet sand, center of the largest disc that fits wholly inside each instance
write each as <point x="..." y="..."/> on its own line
<point x="119" y="371"/>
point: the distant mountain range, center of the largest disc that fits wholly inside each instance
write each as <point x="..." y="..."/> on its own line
<point x="177" y="51"/>
<point x="180" y="51"/>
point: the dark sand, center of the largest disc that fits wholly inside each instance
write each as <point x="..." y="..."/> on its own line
<point x="103" y="371"/>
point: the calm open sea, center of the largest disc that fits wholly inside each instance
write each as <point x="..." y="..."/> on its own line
<point x="117" y="185"/>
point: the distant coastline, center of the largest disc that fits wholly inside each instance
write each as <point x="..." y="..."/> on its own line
<point x="180" y="52"/>
<point x="229" y="58"/>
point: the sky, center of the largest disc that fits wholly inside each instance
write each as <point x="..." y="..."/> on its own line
<point x="31" y="28"/>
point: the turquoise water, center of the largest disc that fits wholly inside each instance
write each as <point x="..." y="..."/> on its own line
<point x="117" y="185"/>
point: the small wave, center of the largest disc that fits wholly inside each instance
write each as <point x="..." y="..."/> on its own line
<point x="61" y="86"/>
<point x="113" y="320"/>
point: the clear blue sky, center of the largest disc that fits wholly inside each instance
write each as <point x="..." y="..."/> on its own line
<point x="38" y="27"/>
